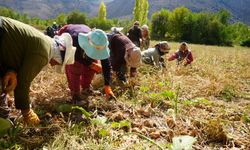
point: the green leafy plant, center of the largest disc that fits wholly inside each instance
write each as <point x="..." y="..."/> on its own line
<point x="6" y="125"/>
<point x="84" y="112"/>
<point x="197" y="101"/>
<point x="101" y="121"/>
<point x="64" y="108"/>
<point x="144" y="88"/>
<point x="168" y="94"/>
<point x="121" y="124"/>
<point x="228" y="93"/>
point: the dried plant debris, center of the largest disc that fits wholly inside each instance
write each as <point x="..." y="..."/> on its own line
<point x="208" y="101"/>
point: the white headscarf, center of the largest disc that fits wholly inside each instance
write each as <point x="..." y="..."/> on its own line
<point x="63" y="43"/>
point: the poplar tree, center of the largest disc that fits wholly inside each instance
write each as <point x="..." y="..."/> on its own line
<point x="136" y="11"/>
<point x="144" y="18"/>
<point x="102" y="11"/>
<point x="141" y="11"/>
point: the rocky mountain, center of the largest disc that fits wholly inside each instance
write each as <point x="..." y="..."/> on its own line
<point x="124" y="8"/>
<point x="239" y="8"/>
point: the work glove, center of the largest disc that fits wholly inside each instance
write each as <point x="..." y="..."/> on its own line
<point x="30" y="117"/>
<point x="108" y="92"/>
<point x="9" y="82"/>
<point x="96" y="67"/>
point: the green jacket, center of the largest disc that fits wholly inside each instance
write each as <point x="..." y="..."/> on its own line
<point x="25" y="50"/>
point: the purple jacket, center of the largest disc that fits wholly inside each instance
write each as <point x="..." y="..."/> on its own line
<point x="118" y="44"/>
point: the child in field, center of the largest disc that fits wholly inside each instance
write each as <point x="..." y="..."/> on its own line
<point x="154" y="56"/>
<point x="183" y="55"/>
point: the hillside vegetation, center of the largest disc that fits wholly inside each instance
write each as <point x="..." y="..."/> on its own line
<point x="46" y="9"/>
<point x="209" y="101"/>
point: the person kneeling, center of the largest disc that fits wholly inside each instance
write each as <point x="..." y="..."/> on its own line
<point x="154" y="56"/>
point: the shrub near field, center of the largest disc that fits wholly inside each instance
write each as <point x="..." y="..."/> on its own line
<point x="209" y="101"/>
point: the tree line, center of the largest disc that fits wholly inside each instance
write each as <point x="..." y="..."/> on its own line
<point x="180" y="24"/>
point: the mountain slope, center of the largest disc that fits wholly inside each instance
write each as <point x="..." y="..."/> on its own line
<point x="239" y="8"/>
<point x="50" y="8"/>
<point x="124" y="8"/>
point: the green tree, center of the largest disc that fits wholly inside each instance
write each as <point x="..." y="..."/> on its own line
<point x="188" y="28"/>
<point x="102" y="11"/>
<point x="160" y="24"/>
<point x="200" y="29"/>
<point x="61" y="19"/>
<point x="9" y="13"/>
<point x="144" y="18"/>
<point x="76" y="17"/>
<point x="178" y="19"/>
<point x="216" y="34"/>
<point x="137" y="10"/>
<point x="141" y="11"/>
<point x="100" y="24"/>
<point x="238" y="32"/>
<point x="223" y="16"/>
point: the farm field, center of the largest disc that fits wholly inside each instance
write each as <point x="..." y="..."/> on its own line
<point x="209" y="101"/>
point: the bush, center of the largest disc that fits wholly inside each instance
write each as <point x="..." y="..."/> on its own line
<point x="245" y="43"/>
<point x="100" y="24"/>
<point x="76" y="17"/>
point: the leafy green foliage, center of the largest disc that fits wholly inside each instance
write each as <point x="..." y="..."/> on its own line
<point x="102" y="11"/>
<point x="197" y="101"/>
<point x="100" y="23"/>
<point x="204" y="28"/>
<point x="245" y="42"/>
<point x="141" y="11"/>
<point x="76" y="17"/>
<point x="64" y="108"/>
<point x="99" y="121"/>
<point x="170" y="95"/>
<point x="245" y="118"/>
<point x="228" y="93"/>
<point x="121" y="124"/>
<point x="84" y="112"/>
<point x="178" y="19"/>
<point x="5" y="126"/>
<point x="160" y="24"/>
<point x="61" y="19"/>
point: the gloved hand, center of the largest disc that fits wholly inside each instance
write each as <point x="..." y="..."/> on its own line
<point x="185" y="62"/>
<point x="30" y="117"/>
<point x="96" y="67"/>
<point x="108" y="92"/>
<point x="9" y="82"/>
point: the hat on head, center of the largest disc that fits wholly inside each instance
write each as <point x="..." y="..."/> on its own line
<point x="95" y="44"/>
<point x="133" y="57"/>
<point x="64" y="45"/>
<point x="136" y="23"/>
<point x="116" y="29"/>
<point x="165" y="45"/>
<point x="144" y="27"/>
